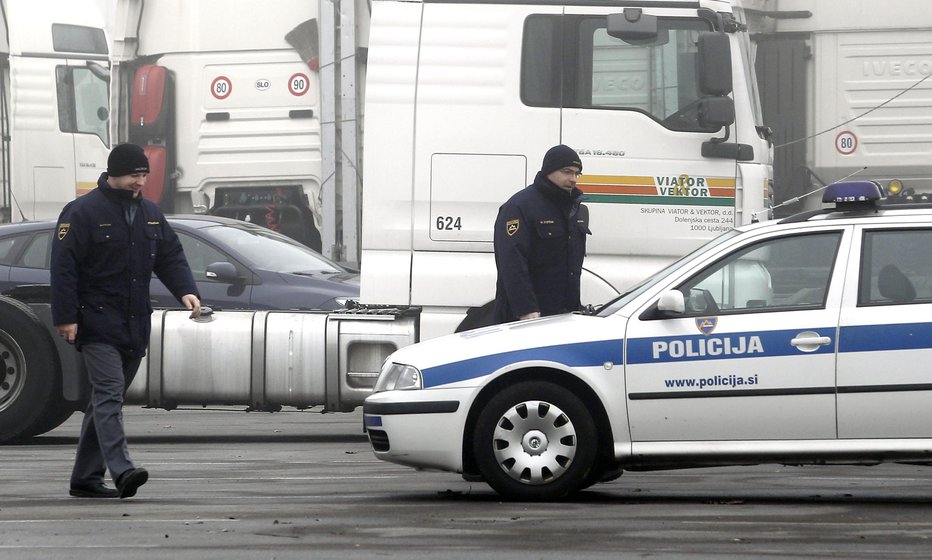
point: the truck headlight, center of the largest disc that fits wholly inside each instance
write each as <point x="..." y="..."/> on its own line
<point x="398" y="377"/>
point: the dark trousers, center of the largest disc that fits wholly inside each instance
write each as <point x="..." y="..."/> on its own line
<point x="102" y="444"/>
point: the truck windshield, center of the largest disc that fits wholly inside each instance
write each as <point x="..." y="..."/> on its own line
<point x="572" y="61"/>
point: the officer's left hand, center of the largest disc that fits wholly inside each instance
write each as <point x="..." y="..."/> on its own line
<point x="191" y="302"/>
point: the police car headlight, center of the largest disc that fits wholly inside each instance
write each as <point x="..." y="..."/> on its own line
<point x="398" y="377"/>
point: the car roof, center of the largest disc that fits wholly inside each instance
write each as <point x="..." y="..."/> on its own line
<point x="199" y="221"/>
<point x="194" y="221"/>
<point x="19" y="227"/>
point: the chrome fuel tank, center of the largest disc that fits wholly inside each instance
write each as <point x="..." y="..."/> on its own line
<point x="267" y="359"/>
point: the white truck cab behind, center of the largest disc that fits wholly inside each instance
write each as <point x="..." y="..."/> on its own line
<point x="463" y="99"/>
<point x="55" y="105"/>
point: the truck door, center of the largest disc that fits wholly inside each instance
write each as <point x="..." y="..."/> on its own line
<point x="60" y="117"/>
<point x="631" y="111"/>
<point x="753" y="356"/>
<point x="885" y="341"/>
<point x="84" y="116"/>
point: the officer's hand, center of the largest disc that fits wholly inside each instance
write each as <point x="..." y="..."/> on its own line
<point x="191" y="302"/>
<point x="68" y="331"/>
<point x="531" y="315"/>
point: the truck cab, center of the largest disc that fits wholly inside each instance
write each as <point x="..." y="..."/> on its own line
<point x="464" y="98"/>
<point x="55" y="105"/>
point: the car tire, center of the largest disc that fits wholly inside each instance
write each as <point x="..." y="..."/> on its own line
<point x="535" y="440"/>
<point x="30" y="386"/>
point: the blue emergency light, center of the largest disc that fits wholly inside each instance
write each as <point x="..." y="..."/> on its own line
<point x="845" y="196"/>
<point x="852" y="194"/>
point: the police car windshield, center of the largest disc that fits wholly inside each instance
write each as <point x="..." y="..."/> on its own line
<point x="613" y="306"/>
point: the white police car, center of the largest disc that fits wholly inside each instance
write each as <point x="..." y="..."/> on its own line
<point x="804" y="340"/>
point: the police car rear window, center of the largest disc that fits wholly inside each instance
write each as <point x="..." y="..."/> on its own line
<point x="896" y="267"/>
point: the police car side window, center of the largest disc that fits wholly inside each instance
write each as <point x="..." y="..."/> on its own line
<point x="773" y="275"/>
<point x="896" y="267"/>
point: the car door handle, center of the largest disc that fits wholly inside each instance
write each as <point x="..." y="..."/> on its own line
<point x="805" y="339"/>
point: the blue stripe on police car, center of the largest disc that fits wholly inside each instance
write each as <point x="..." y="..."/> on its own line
<point x="580" y="354"/>
<point x="724" y="346"/>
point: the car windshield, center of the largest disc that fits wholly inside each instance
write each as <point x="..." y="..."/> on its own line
<point x="270" y="251"/>
<point x="639" y="288"/>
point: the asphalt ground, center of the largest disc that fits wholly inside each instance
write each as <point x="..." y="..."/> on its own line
<point x="229" y="484"/>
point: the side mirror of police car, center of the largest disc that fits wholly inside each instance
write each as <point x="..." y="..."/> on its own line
<point x="672" y="302"/>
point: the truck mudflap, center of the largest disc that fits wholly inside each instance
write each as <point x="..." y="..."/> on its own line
<point x="269" y="359"/>
<point x="149" y="103"/>
<point x="158" y="162"/>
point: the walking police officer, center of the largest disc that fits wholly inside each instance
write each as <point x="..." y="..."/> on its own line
<point x="108" y="244"/>
<point x="540" y="241"/>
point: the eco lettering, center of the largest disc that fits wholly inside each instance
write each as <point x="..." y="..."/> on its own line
<point x="699" y="347"/>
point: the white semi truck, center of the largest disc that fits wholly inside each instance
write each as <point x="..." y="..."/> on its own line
<point x="53" y="105"/>
<point x="850" y="91"/>
<point x="461" y="101"/>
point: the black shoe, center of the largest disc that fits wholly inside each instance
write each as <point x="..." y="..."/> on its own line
<point x="93" y="490"/>
<point x="128" y="482"/>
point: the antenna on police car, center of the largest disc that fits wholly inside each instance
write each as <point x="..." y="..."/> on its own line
<point x="754" y="218"/>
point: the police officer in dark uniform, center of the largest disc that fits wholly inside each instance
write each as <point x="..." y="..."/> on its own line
<point x="540" y="241"/>
<point x="108" y="244"/>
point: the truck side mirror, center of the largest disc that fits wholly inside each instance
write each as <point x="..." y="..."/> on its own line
<point x="714" y="71"/>
<point x="716" y="112"/>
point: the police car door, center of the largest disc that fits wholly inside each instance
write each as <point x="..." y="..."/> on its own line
<point x="753" y="355"/>
<point x="885" y="341"/>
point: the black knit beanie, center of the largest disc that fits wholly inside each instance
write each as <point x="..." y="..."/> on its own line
<point x="126" y="159"/>
<point x="558" y="157"/>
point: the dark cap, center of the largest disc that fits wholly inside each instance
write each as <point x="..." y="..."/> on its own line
<point x="127" y="159"/>
<point x="558" y="157"/>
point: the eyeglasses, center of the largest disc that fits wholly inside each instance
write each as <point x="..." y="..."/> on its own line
<point x="570" y="171"/>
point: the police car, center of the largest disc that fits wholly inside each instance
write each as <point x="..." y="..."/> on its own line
<point x="803" y="340"/>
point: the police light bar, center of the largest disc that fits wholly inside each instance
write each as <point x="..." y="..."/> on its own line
<point x="852" y="194"/>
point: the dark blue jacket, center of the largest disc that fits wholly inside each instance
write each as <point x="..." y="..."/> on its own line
<point x="101" y="267"/>
<point x="540" y="242"/>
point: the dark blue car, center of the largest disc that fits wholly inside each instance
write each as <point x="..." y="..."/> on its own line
<point x="237" y="265"/>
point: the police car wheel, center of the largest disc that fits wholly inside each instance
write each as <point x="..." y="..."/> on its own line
<point x="535" y="441"/>
<point x="29" y="389"/>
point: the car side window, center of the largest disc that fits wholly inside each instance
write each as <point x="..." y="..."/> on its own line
<point x="773" y="275"/>
<point x="896" y="267"/>
<point x="38" y="252"/>
<point x="199" y="255"/>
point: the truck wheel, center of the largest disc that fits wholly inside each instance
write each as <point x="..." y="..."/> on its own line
<point x="535" y="441"/>
<point x="30" y="387"/>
